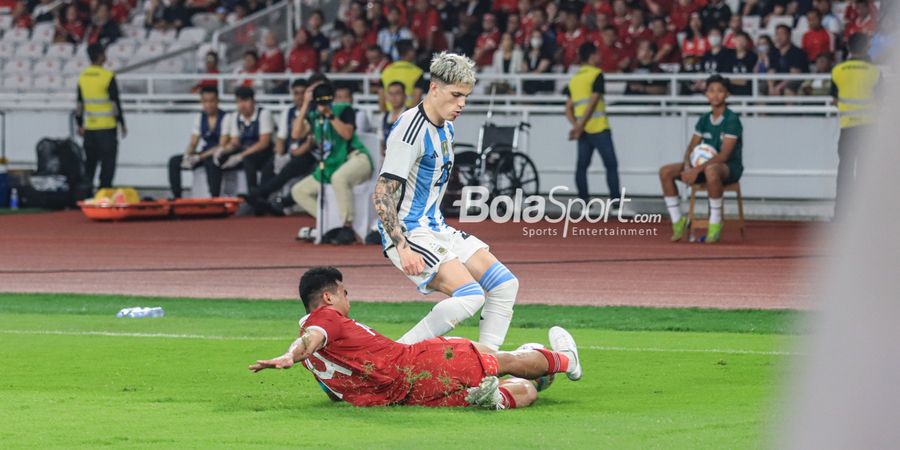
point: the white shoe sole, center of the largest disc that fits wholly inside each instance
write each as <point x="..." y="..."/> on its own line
<point x="562" y="341"/>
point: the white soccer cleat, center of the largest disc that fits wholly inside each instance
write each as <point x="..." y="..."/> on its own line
<point x="487" y="395"/>
<point x="563" y="342"/>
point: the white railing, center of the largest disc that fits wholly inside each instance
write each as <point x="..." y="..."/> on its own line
<point x="171" y="92"/>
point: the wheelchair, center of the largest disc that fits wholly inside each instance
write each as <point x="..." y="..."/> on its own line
<point x="495" y="162"/>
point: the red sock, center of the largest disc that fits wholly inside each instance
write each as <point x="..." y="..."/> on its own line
<point x="507" y="398"/>
<point x="556" y="362"/>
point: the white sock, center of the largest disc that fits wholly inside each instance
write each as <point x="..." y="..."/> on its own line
<point x="715" y="210"/>
<point x="464" y="303"/>
<point x="501" y="287"/>
<point x="673" y="204"/>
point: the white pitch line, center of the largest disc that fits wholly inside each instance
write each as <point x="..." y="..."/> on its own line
<point x="272" y="338"/>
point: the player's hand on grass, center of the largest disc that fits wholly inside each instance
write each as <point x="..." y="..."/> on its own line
<point x="281" y="362"/>
<point x="412" y="262"/>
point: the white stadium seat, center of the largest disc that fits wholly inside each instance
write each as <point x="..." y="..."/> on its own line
<point x="30" y="50"/>
<point x="148" y="50"/>
<point x="162" y="36"/>
<point x="115" y="64"/>
<point x="121" y="50"/>
<point x="170" y="65"/>
<point x="7" y="50"/>
<point x="17" y="35"/>
<point x="70" y="83"/>
<point x="207" y="21"/>
<point x="60" y="50"/>
<point x="45" y="66"/>
<point x="75" y="65"/>
<point x="192" y="35"/>
<point x="138" y="33"/>
<point x="49" y="83"/>
<point x="17" y="66"/>
<point x="17" y="82"/>
<point x="43" y="32"/>
<point x="6" y="21"/>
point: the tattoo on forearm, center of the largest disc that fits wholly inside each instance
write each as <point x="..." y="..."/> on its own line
<point x="386" y="206"/>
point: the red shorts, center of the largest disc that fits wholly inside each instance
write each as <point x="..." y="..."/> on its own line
<point x="444" y="368"/>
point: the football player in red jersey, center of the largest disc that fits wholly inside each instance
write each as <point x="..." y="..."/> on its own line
<point x="360" y="366"/>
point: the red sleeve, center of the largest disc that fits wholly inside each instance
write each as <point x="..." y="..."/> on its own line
<point x="328" y="321"/>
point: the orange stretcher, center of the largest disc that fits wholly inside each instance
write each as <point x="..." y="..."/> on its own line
<point x="160" y="209"/>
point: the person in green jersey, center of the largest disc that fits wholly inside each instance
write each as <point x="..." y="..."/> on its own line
<point x="720" y="128"/>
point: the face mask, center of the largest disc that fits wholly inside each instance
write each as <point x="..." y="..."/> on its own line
<point x="715" y="40"/>
<point x="536" y="43"/>
<point x="763" y="48"/>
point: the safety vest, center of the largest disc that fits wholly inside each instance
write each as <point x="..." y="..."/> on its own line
<point x="404" y="72"/>
<point x="210" y="136"/>
<point x="99" y="113"/>
<point x="580" y="87"/>
<point x="855" y="80"/>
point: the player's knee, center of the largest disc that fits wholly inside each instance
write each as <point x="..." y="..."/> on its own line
<point x="529" y="394"/>
<point x="712" y="173"/>
<point x="470" y="297"/>
<point x="498" y="276"/>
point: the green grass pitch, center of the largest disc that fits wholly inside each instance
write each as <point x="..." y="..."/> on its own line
<point x="74" y="376"/>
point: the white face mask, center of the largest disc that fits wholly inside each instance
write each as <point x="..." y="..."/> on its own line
<point x="536" y="42"/>
<point x="763" y="48"/>
<point x="715" y="40"/>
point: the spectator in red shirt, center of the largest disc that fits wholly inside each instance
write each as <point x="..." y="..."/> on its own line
<point x="514" y="28"/>
<point x="303" y="57"/>
<point x="852" y="11"/>
<point x="614" y="57"/>
<point x="20" y="16"/>
<point x="365" y="35"/>
<point x="103" y="30"/>
<point x="735" y="27"/>
<point x="681" y="13"/>
<point x="571" y="39"/>
<point x="817" y="40"/>
<point x="865" y="19"/>
<point x="401" y="7"/>
<point x="620" y="18"/>
<point x="350" y="57"/>
<point x="637" y="29"/>
<point x="426" y="27"/>
<point x="597" y="7"/>
<point x="658" y="8"/>
<point x="212" y="66"/>
<point x="695" y="43"/>
<point x="250" y="65"/>
<point x="504" y="6"/>
<point x="272" y="59"/>
<point x="667" y="44"/>
<point x="487" y="42"/>
<point x="376" y="61"/>
<point x="69" y="28"/>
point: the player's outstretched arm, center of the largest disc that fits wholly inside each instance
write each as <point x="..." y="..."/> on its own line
<point x="305" y="345"/>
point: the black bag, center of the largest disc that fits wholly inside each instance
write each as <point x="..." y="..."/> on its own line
<point x="59" y="181"/>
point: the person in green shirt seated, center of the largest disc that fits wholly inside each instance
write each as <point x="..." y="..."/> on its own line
<point x="720" y="128"/>
<point x="345" y="161"/>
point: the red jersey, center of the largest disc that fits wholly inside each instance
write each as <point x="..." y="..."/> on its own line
<point x="358" y="364"/>
<point x="681" y="14"/>
<point x="569" y="43"/>
<point x="866" y="25"/>
<point x="428" y="24"/>
<point x="303" y="59"/>
<point x="816" y="42"/>
<point x="505" y="6"/>
<point x="612" y="56"/>
<point x="344" y="56"/>
<point x="674" y="56"/>
<point x="598" y="7"/>
<point x="271" y="61"/>
<point x="487" y="41"/>
<point x="697" y="46"/>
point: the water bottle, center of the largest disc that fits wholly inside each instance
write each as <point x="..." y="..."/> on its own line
<point x="14" y="199"/>
<point x="138" y="312"/>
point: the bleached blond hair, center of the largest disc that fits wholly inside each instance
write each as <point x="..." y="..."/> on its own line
<point x="451" y="68"/>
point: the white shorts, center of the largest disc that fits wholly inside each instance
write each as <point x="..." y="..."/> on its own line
<point x="436" y="247"/>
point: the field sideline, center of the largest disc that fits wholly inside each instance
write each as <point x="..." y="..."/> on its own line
<point x="77" y="377"/>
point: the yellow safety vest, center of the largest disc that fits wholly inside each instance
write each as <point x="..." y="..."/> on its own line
<point x="99" y="113"/>
<point x="404" y="72"/>
<point x="580" y="87"/>
<point x="855" y="80"/>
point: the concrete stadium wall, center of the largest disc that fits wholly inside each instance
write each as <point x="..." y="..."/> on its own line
<point x="784" y="157"/>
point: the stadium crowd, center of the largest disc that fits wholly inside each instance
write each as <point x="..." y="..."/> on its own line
<point x="638" y="36"/>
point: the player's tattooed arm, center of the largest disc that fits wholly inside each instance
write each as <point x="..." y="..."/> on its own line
<point x="385" y="193"/>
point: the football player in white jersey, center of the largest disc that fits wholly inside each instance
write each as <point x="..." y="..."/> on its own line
<point x="435" y="256"/>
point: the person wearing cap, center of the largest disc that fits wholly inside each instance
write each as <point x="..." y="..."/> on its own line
<point x="250" y="144"/>
<point x="98" y="113"/>
<point x="345" y="161"/>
